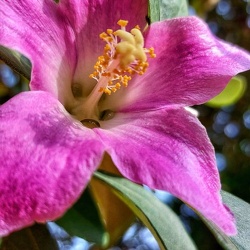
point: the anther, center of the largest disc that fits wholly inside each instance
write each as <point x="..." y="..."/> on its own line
<point x="103" y="35"/>
<point x="109" y="31"/>
<point x="122" y="23"/>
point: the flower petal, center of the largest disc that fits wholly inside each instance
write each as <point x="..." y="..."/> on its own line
<point x="39" y="31"/>
<point x="47" y="159"/>
<point x="95" y="12"/>
<point x="191" y="66"/>
<point x="169" y="150"/>
<point x="89" y="19"/>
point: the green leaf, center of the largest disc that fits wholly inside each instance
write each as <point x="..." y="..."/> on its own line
<point x="36" y="237"/>
<point x="83" y="220"/>
<point x="165" y="9"/>
<point x="241" y="210"/>
<point x="16" y="61"/>
<point x="231" y="94"/>
<point x="159" y="218"/>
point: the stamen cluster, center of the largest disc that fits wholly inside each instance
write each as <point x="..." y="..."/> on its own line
<point x="124" y="55"/>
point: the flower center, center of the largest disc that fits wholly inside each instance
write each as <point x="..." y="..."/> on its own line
<point x="124" y="56"/>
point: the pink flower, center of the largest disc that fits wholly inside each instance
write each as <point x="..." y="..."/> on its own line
<point x="48" y="156"/>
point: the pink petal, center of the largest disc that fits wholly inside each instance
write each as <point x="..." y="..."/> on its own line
<point x="191" y="66"/>
<point x="169" y="150"/>
<point x="39" y="31"/>
<point x="91" y="18"/>
<point x="47" y="159"/>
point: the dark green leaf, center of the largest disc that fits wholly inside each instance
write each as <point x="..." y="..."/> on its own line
<point x="165" y="9"/>
<point x="160" y="219"/>
<point x="83" y="220"/>
<point x="36" y="237"/>
<point x="16" y="61"/>
<point x="241" y="210"/>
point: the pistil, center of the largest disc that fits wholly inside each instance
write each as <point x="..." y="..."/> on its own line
<point x="124" y="55"/>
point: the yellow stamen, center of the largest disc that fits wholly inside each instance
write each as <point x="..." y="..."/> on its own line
<point x="122" y="23"/>
<point x="124" y="55"/>
<point x="103" y="35"/>
<point x="109" y="31"/>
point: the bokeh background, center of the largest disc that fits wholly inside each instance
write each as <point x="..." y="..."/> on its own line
<point x="228" y="128"/>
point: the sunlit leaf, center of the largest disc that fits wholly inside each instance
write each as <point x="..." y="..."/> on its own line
<point x="231" y="94"/>
<point x="16" y="61"/>
<point x="165" y="9"/>
<point x="83" y="220"/>
<point x="241" y="210"/>
<point x="37" y="237"/>
<point x="159" y="218"/>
